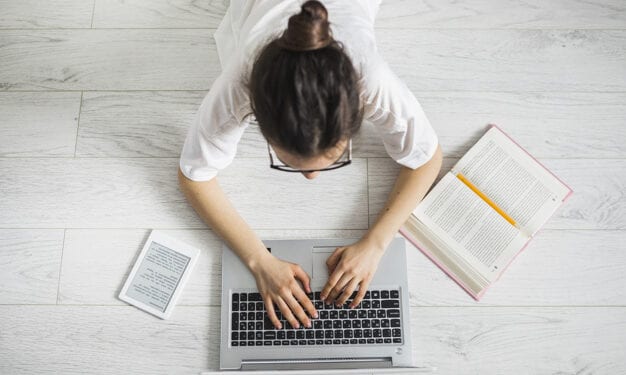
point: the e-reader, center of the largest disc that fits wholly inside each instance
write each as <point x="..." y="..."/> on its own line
<point x="159" y="274"/>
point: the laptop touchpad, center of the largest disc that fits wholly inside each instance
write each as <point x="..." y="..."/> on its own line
<point x="320" y="254"/>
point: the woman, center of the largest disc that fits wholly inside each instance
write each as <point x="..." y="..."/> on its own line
<point x="309" y="85"/>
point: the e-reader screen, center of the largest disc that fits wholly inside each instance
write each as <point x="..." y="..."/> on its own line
<point x="158" y="276"/>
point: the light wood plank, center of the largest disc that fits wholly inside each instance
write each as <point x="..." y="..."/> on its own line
<point x="34" y="14"/>
<point x="473" y="340"/>
<point x="507" y="60"/>
<point x="432" y="60"/>
<point x="558" y="268"/>
<point x="131" y="124"/>
<point x="108" y="59"/>
<point x="38" y="123"/>
<point x="514" y="340"/>
<point x="548" y="125"/>
<point x="161" y="14"/>
<point x="597" y="202"/>
<point x="143" y="193"/>
<point x="533" y="14"/>
<point x="106" y="340"/>
<point x="113" y="253"/>
<point x="30" y="261"/>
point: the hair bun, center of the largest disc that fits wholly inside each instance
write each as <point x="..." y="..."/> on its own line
<point x="308" y="30"/>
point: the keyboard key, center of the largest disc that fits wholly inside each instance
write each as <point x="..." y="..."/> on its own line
<point x="255" y="297"/>
<point x="243" y="306"/>
<point x="396" y="332"/>
<point x="387" y="341"/>
<point x="269" y="335"/>
<point x="267" y="343"/>
<point x="251" y="306"/>
<point x="379" y="340"/>
<point x="397" y="340"/>
<point x="393" y="313"/>
<point x="235" y="343"/>
<point x="234" y="336"/>
<point x="384" y="323"/>
<point x="235" y="297"/>
<point x="259" y="335"/>
<point x="384" y="294"/>
<point x="375" y="294"/>
<point x="390" y="304"/>
<point x="259" y="306"/>
<point x="395" y="322"/>
<point x="395" y="294"/>
<point x="243" y="297"/>
<point x="276" y="343"/>
<point x="386" y="332"/>
<point x="376" y="304"/>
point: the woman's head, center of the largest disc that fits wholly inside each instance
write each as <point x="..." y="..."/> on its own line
<point x="304" y="89"/>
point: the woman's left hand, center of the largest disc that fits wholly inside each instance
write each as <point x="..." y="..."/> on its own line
<point x="351" y="267"/>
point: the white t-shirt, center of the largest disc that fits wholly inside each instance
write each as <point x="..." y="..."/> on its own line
<point x="388" y="104"/>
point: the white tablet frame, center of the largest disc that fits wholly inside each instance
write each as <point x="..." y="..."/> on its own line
<point x="175" y="245"/>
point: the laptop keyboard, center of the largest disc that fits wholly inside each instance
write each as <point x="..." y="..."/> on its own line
<point x="376" y="320"/>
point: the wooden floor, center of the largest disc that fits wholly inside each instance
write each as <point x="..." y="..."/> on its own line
<point x="95" y="101"/>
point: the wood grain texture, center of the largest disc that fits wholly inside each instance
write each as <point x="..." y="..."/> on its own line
<point x="558" y="268"/>
<point x="161" y="14"/>
<point x="548" y="125"/>
<point x="143" y="193"/>
<point x="106" y="340"/>
<point x="136" y="124"/>
<point x="430" y="60"/>
<point x="38" y="124"/>
<point x="498" y="340"/>
<point x="113" y="253"/>
<point x="507" y="60"/>
<point x="34" y="14"/>
<point x="476" y="14"/>
<point x="30" y="260"/>
<point x="107" y="59"/>
<point x="597" y="202"/>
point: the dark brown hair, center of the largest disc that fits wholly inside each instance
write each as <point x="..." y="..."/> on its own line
<point x="303" y="87"/>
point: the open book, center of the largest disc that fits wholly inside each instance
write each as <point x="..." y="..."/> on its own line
<point x="484" y="211"/>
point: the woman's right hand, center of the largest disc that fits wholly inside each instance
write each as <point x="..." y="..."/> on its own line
<point x="277" y="281"/>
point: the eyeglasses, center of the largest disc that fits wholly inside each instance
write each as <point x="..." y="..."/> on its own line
<point x="344" y="159"/>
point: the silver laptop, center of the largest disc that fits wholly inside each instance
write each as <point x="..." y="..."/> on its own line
<point x="376" y="334"/>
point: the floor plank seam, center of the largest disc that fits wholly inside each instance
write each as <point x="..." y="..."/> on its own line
<point x="80" y="109"/>
<point x="61" y="266"/>
<point x="93" y="11"/>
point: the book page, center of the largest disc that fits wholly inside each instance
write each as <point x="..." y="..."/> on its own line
<point x="473" y="229"/>
<point x="512" y="179"/>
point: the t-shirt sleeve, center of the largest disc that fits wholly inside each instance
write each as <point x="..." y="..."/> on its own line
<point x="211" y="142"/>
<point x="398" y="117"/>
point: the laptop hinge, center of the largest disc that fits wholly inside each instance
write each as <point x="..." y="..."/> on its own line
<point x="316" y="364"/>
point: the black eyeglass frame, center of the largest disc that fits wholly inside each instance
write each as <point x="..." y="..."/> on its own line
<point x="286" y="168"/>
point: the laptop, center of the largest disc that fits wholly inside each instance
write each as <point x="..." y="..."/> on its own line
<point x="374" y="335"/>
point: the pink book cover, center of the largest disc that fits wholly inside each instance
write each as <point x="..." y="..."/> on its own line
<point x="445" y="269"/>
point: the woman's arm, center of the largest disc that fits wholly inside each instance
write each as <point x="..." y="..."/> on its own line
<point x="275" y="279"/>
<point x="355" y="265"/>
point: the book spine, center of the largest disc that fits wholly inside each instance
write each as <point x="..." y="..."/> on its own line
<point x="445" y="269"/>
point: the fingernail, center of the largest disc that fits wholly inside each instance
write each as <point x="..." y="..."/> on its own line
<point x="315" y="315"/>
<point x="323" y="296"/>
<point x="308" y="325"/>
<point x="296" y="326"/>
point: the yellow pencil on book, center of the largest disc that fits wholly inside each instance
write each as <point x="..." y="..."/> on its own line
<point x="486" y="199"/>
